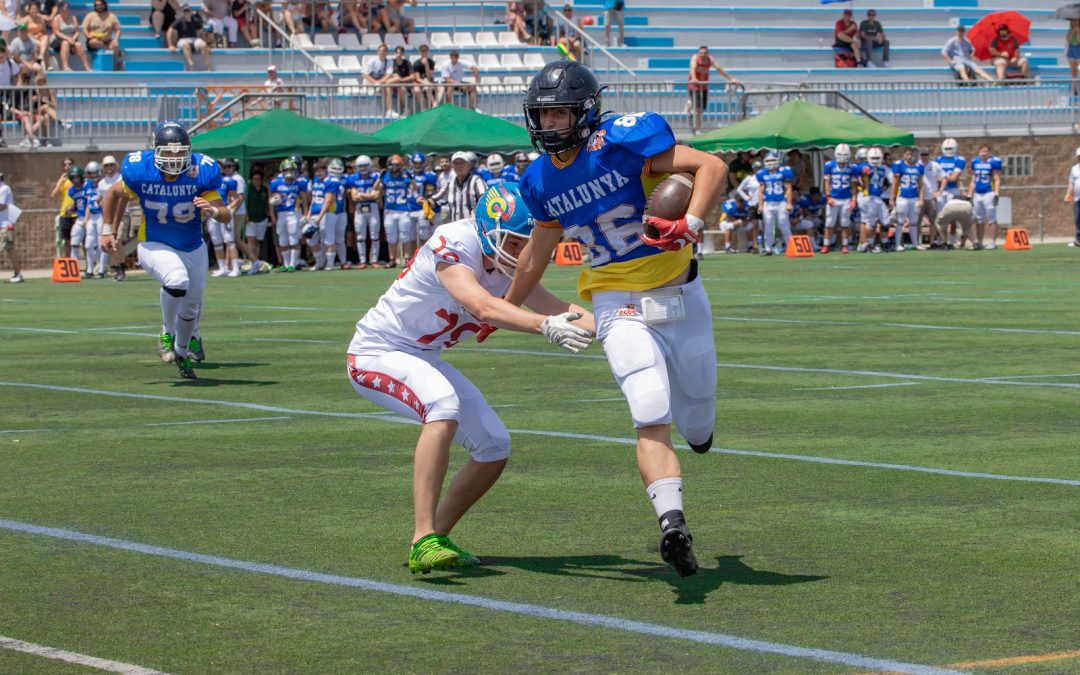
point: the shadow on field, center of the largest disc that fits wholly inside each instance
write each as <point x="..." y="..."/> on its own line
<point x="229" y="364"/>
<point x="730" y="569"/>
<point x="212" y="382"/>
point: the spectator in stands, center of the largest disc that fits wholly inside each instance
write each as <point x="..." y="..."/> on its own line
<point x="25" y="52"/>
<point x="43" y="110"/>
<point x="568" y="36"/>
<point x="66" y="32"/>
<point x="614" y="11"/>
<point x="958" y="52"/>
<point x="453" y="80"/>
<point x="219" y="19"/>
<point x="162" y="15"/>
<point x="1005" y="49"/>
<point x="7" y="233"/>
<point x="424" y="70"/>
<point x="399" y="23"/>
<point x="403" y="77"/>
<point x="185" y="34"/>
<point x="102" y="28"/>
<point x="1072" y="196"/>
<point x="379" y="71"/>
<point x="538" y="22"/>
<point x="351" y="16"/>
<point x="243" y="12"/>
<point x="1072" y="51"/>
<point x="35" y="29"/>
<point x="296" y="14"/>
<point x="701" y="64"/>
<point x="875" y="46"/>
<point x="515" y="20"/>
<point x="846" y="36"/>
<point x="273" y="82"/>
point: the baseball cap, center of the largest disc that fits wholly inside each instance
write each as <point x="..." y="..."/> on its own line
<point x="272" y="67"/>
<point x="847" y="12"/>
<point x="108" y="159"/>
<point x="460" y="154"/>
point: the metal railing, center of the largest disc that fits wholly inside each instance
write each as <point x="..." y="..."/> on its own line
<point x="274" y="37"/>
<point x="596" y="55"/>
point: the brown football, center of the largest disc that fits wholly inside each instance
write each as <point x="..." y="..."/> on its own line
<point x="670" y="199"/>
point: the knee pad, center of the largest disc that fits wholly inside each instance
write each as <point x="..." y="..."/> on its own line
<point x="175" y="292"/>
<point x="637" y="369"/>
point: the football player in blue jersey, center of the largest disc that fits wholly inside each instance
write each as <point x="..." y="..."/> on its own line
<point x="223" y="234"/>
<point x="337" y="221"/>
<point x="984" y="187"/>
<point x="734" y="218"/>
<point x="365" y="189"/>
<point x="95" y="261"/>
<point x="424" y="184"/>
<point x="652" y="314"/>
<point x="175" y="187"/>
<point x="320" y="213"/>
<point x="77" y="208"/>
<point x="396" y="221"/>
<point x="774" y="200"/>
<point x="878" y="180"/>
<point x="287" y="198"/>
<point x="841" y="178"/>
<point x="907" y="199"/>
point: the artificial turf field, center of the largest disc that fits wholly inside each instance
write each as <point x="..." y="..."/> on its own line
<point x="963" y="364"/>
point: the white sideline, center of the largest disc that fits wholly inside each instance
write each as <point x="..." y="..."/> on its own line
<point x="914" y="326"/>
<point x="390" y="417"/>
<point x="73" y="657"/>
<point x="536" y="611"/>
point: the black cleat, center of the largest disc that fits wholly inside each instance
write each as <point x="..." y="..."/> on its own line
<point x="677" y="550"/>
<point x="195" y="349"/>
<point x="702" y="448"/>
<point x="187" y="369"/>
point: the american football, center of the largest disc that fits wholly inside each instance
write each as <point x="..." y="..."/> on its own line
<point x="670" y="199"/>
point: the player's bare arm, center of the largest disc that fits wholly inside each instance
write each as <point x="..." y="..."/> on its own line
<point x="533" y="261"/>
<point x="116" y="201"/>
<point x="543" y="301"/>
<point x="710" y="175"/>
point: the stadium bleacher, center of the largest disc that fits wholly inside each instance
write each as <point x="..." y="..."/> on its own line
<point x="760" y="43"/>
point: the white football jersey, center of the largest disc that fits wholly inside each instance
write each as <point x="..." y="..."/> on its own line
<point x="417" y="313"/>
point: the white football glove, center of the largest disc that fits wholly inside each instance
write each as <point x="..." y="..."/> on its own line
<point x="560" y="331"/>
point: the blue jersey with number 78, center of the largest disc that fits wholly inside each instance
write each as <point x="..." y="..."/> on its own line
<point x="168" y="206"/>
<point x="599" y="198"/>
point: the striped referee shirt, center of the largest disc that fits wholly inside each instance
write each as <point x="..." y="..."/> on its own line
<point x="461" y="196"/>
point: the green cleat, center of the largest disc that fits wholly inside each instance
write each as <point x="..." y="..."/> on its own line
<point x="429" y="553"/>
<point x="186" y="367"/>
<point x="165" y="347"/>
<point x="195" y="349"/>
<point x="465" y="559"/>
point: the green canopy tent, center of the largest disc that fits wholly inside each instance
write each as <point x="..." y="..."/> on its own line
<point x="448" y="128"/>
<point x="278" y="133"/>
<point x="799" y="125"/>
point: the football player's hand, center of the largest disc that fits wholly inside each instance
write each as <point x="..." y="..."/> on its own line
<point x="830" y="201"/>
<point x="108" y="243"/>
<point x="208" y="211"/>
<point x="560" y="331"/>
<point x="1068" y="198"/>
<point x="995" y="198"/>
<point x="852" y="203"/>
<point x="672" y="235"/>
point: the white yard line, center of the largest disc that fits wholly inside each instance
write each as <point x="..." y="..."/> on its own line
<point x="521" y="609"/>
<point x="858" y="386"/>
<point x="73" y="657"/>
<point x="228" y="421"/>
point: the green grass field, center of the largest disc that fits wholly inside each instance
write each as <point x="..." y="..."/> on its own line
<point x="963" y="362"/>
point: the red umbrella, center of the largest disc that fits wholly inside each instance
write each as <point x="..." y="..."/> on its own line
<point x="984" y="32"/>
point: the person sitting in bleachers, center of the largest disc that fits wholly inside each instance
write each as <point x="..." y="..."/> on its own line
<point x="846" y="45"/>
<point x="219" y="19"/>
<point x="325" y="18"/>
<point x="1005" y="49"/>
<point x="875" y="46"/>
<point x="399" y="23"/>
<point x="453" y="80"/>
<point x="185" y="34"/>
<point x="424" y="70"/>
<point x="515" y="20"/>
<point x="35" y="29"/>
<point x="66" y="34"/>
<point x="102" y="28"/>
<point x="25" y="52"/>
<point x="296" y="15"/>
<point x="538" y="23"/>
<point x="243" y="13"/>
<point x="379" y="71"/>
<point x="958" y="52"/>
<point x="162" y="15"/>
<point x="403" y="77"/>
<point x="569" y="37"/>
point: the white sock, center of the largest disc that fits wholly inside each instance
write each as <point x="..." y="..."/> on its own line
<point x="236" y="264"/>
<point x="169" y="306"/>
<point x="320" y="258"/>
<point x="666" y="495"/>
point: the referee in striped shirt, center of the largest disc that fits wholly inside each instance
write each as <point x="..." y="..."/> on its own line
<point x="463" y="192"/>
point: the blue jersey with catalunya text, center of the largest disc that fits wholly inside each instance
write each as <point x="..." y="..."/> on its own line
<point x="877" y="179"/>
<point x="363" y="184"/>
<point x="812" y="206"/>
<point x="840" y="179"/>
<point x="774" y="181"/>
<point x="424" y="185"/>
<point x="984" y="173"/>
<point x="950" y="164"/>
<point x="733" y="211"/>
<point x="168" y="206"/>
<point x="910" y="177"/>
<point x="396" y="190"/>
<point x="336" y="185"/>
<point x="323" y="193"/>
<point x="78" y="195"/>
<point x="290" y="194"/>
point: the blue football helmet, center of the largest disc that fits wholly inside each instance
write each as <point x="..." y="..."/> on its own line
<point x="418" y="160"/>
<point x="501" y="213"/>
<point x="309" y="229"/>
<point x="171" y="138"/>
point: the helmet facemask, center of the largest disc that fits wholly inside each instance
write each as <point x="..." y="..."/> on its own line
<point x="176" y="162"/>
<point x="584" y="119"/>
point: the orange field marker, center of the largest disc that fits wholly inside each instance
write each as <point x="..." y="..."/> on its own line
<point x="799" y="246"/>
<point x="1016" y="239"/>
<point x="568" y="253"/>
<point x="65" y="270"/>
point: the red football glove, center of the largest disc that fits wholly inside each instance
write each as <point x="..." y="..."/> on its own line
<point x="486" y="329"/>
<point x="672" y="235"/>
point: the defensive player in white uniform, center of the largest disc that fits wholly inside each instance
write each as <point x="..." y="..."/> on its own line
<point x="451" y="291"/>
<point x="174" y="187"/>
<point x="96" y="260"/>
<point x="652" y="314"/>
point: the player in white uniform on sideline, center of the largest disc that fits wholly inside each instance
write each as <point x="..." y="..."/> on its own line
<point x="748" y="190"/>
<point x="175" y="188"/>
<point x="873" y="214"/>
<point x="223" y="232"/>
<point x="451" y="291"/>
<point x="337" y="221"/>
<point x="953" y="164"/>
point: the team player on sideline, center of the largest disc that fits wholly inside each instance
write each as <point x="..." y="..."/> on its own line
<point x="398" y="225"/>
<point x="110" y="177"/>
<point x="985" y="184"/>
<point x="774" y="200"/>
<point x="174" y="186"/>
<point x="77" y="209"/>
<point x="337" y="221"/>
<point x="365" y="188"/>
<point x="449" y="292"/>
<point x="223" y="233"/>
<point x="424" y="184"/>
<point x="841" y="177"/>
<point x="907" y="199"/>
<point x="652" y="314"/>
<point x="734" y="218"/>
<point x="878" y="180"/>
<point x="322" y="212"/>
<point x="97" y="266"/>
<point x="286" y="202"/>
<point x="953" y="164"/>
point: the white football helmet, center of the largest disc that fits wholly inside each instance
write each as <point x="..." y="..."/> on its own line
<point x="860" y="154"/>
<point x="843" y="153"/>
<point x="771" y="161"/>
<point x="949" y="147"/>
<point x="93" y="170"/>
<point x="363" y="164"/>
<point x="874" y="156"/>
<point x="336" y="167"/>
<point x="495" y="163"/>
